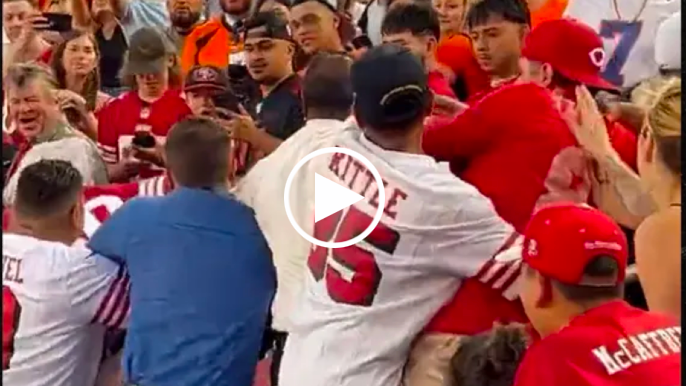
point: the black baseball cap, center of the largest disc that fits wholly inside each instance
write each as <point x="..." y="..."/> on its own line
<point x="267" y="24"/>
<point x="390" y="86"/>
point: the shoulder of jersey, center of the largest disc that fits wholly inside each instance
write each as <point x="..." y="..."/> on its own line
<point x="57" y="254"/>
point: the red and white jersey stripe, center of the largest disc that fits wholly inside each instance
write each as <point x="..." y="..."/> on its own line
<point x="57" y="302"/>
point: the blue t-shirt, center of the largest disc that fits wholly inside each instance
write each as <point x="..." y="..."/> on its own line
<point x="202" y="282"/>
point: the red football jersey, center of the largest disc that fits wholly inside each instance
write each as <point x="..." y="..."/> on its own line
<point x="489" y="296"/>
<point x="127" y="114"/>
<point x="101" y="201"/>
<point x="611" y="345"/>
<point x="517" y="149"/>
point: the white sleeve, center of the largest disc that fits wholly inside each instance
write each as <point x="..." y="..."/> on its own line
<point x="99" y="290"/>
<point x="472" y="236"/>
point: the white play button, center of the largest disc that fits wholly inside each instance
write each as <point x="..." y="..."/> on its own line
<point x="330" y="197"/>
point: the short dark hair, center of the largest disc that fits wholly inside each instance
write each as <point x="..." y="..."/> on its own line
<point x="47" y="188"/>
<point x="600" y="267"/>
<point x="514" y="11"/>
<point x="270" y="21"/>
<point x="490" y="358"/>
<point x="415" y="18"/>
<point x="197" y="153"/>
<point x="326" y="85"/>
<point x="324" y="3"/>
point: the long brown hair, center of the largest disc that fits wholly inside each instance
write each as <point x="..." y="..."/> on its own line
<point x="92" y="84"/>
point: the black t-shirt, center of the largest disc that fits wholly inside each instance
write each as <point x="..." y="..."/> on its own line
<point x="111" y="56"/>
<point x="280" y="112"/>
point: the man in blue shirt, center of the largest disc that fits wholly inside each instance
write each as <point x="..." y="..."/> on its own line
<point x="202" y="277"/>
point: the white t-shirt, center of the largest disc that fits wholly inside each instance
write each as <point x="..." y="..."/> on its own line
<point x="262" y="189"/>
<point x="362" y="306"/>
<point x="57" y="300"/>
<point x="630" y="45"/>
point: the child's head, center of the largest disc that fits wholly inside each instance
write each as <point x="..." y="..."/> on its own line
<point x="490" y="358"/>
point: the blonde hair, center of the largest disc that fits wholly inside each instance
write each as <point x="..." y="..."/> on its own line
<point x="663" y="121"/>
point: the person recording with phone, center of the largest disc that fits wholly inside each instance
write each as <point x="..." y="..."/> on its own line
<point x="208" y="93"/>
<point x="22" y="23"/>
<point x="269" y="50"/>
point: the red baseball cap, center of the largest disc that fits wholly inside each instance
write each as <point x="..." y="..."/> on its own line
<point x="572" y="48"/>
<point x="560" y="240"/>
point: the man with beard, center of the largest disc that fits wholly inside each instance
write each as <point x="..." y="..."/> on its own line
<point x="217" y="42"/>
<point x="269" y="54"/>
<point x="184" y="15"/>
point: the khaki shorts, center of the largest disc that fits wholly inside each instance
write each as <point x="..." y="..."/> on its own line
<point x="429" y="362"/>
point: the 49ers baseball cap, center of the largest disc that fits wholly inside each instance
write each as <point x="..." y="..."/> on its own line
<point x="561" y="240"/>
<point x="572" y="48"/>
<point x="207" y="78"/>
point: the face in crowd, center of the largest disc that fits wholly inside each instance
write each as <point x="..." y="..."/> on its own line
<point x="31" y="103"/>
<point x="451" y="15"/>
<point x="268" y="60"/>
<point x="420" y="45"/>
<point x="100" y="8"/>
<point x="14" y="15"/>
<point x="496" y="42"/>
<point x="80" y="56"/>
<point x="200" y="102"/>
<point x="184" y="13"/>
<point x="235" y="7"/>
<point x="313" y="26"/>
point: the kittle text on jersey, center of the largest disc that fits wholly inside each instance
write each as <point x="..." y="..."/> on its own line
<point x="11" y="269"/>
<point x="640" y="348"/>
<point x="348" y="169"/>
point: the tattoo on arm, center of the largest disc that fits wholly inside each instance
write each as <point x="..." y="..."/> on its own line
<point x="627" y="186"/>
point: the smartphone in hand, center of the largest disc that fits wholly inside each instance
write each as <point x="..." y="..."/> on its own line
<point x="56" y="22"/>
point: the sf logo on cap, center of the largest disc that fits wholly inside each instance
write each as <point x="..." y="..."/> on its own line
<point x="597" y="56"/>
<point x="205" y="75"/>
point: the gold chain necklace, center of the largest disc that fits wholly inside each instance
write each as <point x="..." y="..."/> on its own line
<point x="615" y="7"/>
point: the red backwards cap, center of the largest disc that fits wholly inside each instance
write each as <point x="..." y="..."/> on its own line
<point x="572" y="48"/>
<point x="561" y="240"/>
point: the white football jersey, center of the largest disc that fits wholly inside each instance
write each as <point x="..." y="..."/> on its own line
<point x="628" y="30"/>
<point x="56" y="302"/>
<point x="363" y="305"/>
<point x="262" y="189"/>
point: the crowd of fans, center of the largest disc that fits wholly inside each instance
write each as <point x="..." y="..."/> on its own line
<point x="530" y="154"/>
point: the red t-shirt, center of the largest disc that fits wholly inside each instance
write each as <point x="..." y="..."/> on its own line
<point x="119" y="119"/>
<point x="611" y="345"/>
<point x="514" y="146"/>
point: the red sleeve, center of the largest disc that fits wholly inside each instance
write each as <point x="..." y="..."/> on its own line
<point x="447" y="138"/>
<point x="439" y="84"/>
<point x="107" y="132"/>
<point x="624" y="141"/>
<point x="6" y="218"/>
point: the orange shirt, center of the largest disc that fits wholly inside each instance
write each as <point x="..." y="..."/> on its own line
<point x="455" y="52"/>
<point x="212" y="43"/>
<point x="551" y="10"/>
